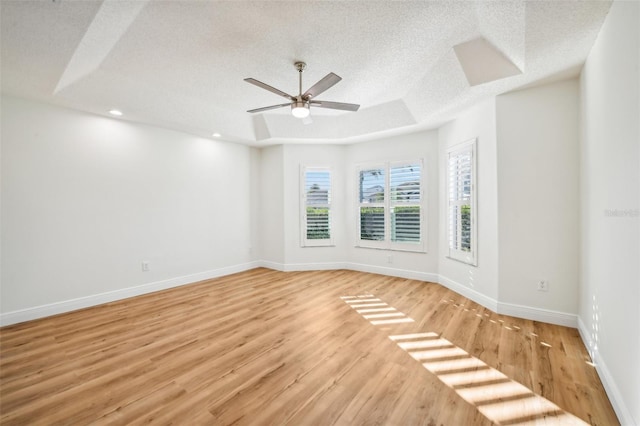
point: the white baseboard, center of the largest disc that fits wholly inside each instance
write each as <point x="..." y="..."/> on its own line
<point x="271" y="265"/>
<point x="42" y="311"/>
<point x="393" y="272"/>
<point x="614" y="394"/>
<point x="586" y="337"/>
<point x="97" y="299"/>
<point x="538" y="314"/>
<point x="289" y="267"/>
<point x="328" y="266"/>
<point x="469" y="293"/>
<point x="520" y="311"/>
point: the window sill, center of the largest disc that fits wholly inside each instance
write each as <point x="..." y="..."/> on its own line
<point x="317" y="245"/>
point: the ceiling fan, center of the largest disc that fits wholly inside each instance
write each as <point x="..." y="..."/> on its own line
<point x="300" y="104"/>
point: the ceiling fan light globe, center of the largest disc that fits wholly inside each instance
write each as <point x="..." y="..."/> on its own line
<point x="300" y="109"/>
<point x="300" y="112"/>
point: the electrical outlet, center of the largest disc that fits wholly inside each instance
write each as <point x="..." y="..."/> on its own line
<point x="145" y="266"/>
<point x="543" y="285"/>
<point x="389" y="259"/>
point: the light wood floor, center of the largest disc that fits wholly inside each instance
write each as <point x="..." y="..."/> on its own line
<point x="300" y="348"/>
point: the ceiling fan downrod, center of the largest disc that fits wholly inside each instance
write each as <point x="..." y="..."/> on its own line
<point x="300" y="66"/>
<point x="300" y="106"/>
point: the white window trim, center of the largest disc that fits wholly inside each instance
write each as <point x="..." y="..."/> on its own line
<point x="304" y="241"/>
<point x="468" y="257"/>
<point x="387" y="244"/>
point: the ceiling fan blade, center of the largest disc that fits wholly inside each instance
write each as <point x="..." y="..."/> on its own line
<point x="327" y="82"/>
<point x="269" y="107"/>
<point x="269" y="88"/>
<point x="335" y="105"/>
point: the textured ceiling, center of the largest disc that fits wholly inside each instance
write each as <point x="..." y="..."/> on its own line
<point x="181" y="64"/>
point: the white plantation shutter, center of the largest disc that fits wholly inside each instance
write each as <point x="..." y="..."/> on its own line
<point x="391" y="206"/>
<point x="406" y="197"/>
<point x="462" y="202"/>
<point x="316" y="207"/>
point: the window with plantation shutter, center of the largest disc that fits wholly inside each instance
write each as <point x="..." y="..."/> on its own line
<point x="391" y="206"/>
<point x="461" y="196"/>
<point x="372" y="204"/>
<point x="406" y="196"/>
<point x="316" y="207"/>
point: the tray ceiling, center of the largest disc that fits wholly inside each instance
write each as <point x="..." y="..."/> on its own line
<point x="181" y="64"/>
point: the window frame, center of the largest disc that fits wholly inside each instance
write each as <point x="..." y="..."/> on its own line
<point x="453" y="252"/>
<point x="304" y="241"/>
<point x="387" y="204"/>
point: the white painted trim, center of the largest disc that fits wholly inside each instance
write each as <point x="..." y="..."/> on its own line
<point x="328" y="266"/>
<point x="520" y="311"/>
<point x="469" y="293"/>
<point x="614" y="394"/>
<point x="586" y="337"/>
<point x="271" y="265"/>
<point x="36" y="312"/>
<point x="538" y="314"/>
<point x="290" y="267"/>
<point x="393" y="272"/>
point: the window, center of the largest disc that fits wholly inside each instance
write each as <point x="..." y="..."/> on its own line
<point x="391" y="210"/>
<point x="461" y="205"/>
<point x="316" y="207"/>
<point x="372" y="204"/>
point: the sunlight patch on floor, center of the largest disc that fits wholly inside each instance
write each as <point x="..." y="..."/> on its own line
<point x="366" y="311"/>
<point x="387" y="315"/>
<point x="494" y="394"/>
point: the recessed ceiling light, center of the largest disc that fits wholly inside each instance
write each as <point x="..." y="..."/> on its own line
<point x="115" y="112"/>
<point x="216" y="135"/>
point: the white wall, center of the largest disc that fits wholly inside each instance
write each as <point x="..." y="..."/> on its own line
<point x="86" y="199"/>
<point x="609" y="310"/>
<point x="480" y="282"/>
<point x="399" y="148"/>
<point x="537" y="134"/>
<point x="255" y="179"/>
<point x="270" y="207"/>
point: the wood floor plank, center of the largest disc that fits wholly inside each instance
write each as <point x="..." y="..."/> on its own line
<point x="268" y="347"/>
